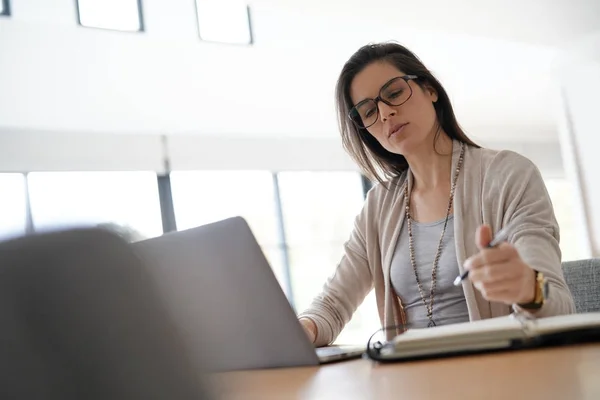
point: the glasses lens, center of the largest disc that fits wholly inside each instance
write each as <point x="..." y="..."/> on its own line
<point x="365" y="113"/>
<point x="396" y="92"/>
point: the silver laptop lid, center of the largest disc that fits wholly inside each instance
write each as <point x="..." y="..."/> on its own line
<point x="219" y="286"/>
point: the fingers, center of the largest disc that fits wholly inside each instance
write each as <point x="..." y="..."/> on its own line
<point x="491" y="274"/>
<point x="490" y="256"/>
<point x="310" y="328"/>
<point x="483" y="236"/>
<point x="499" y="273"/>
<point x="503" y="291"/>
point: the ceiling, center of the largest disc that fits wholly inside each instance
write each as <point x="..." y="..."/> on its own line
<point x="541" y="22"/>
<point x="497" y="59"/>
<point x="545" y="22"/>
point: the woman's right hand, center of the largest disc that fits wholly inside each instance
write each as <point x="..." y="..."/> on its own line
<point x="310" y="328"/>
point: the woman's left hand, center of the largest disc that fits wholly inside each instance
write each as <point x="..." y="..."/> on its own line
<point x="499" y="273"/>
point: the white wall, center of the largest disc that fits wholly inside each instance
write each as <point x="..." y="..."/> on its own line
<point x="271" y="104"/>
<point x="58" y="76"/>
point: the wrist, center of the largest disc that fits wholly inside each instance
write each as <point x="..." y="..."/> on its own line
<point x="540" y="289"/>
<point x="531" y="285"/>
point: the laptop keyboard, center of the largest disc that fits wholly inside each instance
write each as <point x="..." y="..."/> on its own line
<point x="333" y="350"/>
<point x="328" y="351"/>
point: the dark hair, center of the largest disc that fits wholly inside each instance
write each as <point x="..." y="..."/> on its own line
<point x="358" y="142"/>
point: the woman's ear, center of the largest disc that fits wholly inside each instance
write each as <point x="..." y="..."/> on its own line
<point x="432" y="93"/>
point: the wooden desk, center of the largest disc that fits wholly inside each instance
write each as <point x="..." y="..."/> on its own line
<point x="566" y="373"/>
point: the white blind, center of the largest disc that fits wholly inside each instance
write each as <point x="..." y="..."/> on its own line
<point x="32" y="151"/>
<point x="275" y="154"/>
<point x="27" y="151"/>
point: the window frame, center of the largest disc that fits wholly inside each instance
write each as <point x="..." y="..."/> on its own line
<point x="140" y="18"/>
<point x="167" y="208"/>
<point x="6" y="8"/>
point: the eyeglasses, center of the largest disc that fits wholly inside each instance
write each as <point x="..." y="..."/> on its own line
<point x="395" y="92"/>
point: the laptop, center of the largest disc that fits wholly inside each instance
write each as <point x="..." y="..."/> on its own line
<point x="224" y="296"/>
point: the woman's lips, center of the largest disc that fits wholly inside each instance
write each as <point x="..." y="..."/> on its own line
<point x="397" y="129"/>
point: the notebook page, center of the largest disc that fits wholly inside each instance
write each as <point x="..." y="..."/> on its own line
<point x="566" y="322"/>
<point x="500" y="326"/>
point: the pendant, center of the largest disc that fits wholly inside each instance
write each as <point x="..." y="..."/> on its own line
<point x="431" y="323"/>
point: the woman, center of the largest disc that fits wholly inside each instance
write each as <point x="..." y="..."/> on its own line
<point x="439" y="201"/>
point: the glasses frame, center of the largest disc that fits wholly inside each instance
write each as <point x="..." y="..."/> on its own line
<point x="359" y="124"/>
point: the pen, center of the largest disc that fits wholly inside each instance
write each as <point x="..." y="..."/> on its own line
<point x="500" y="237"/>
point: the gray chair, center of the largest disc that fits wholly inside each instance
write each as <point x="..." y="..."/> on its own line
<point x="81" y="318"/>
<point x="583" y="278"/>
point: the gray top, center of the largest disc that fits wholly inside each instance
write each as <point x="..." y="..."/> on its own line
<point x="449" y="304"/>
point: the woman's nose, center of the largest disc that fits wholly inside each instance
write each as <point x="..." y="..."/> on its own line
<point x="385" y="111"/>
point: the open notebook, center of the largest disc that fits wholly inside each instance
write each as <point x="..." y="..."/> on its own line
<point x="503" y="333"/>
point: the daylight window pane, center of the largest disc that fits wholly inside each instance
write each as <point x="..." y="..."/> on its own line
<point x="202" y="197"/>
<point x="319" y="209"/>
<point x="223" y="21"/>
<point x="564" y="204"/>
<point x="126" y="202"/>
<point x="123" y="15"/>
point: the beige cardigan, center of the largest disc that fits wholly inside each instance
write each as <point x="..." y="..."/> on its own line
<point x="495" y="188"/>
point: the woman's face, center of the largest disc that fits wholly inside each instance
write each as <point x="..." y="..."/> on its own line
<point x="399" y="129"/>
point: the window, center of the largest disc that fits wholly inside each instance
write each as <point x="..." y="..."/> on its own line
<point x="13" y="205"/>
<point x="4" y="7"/>
<point x="202" y="197"/>
<point x="319" y="209"/>
<point x="122" y="15"/>
<point x="128" y="201"/>
<point x="563" y="200"/>
<point x="225" y="21"/>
